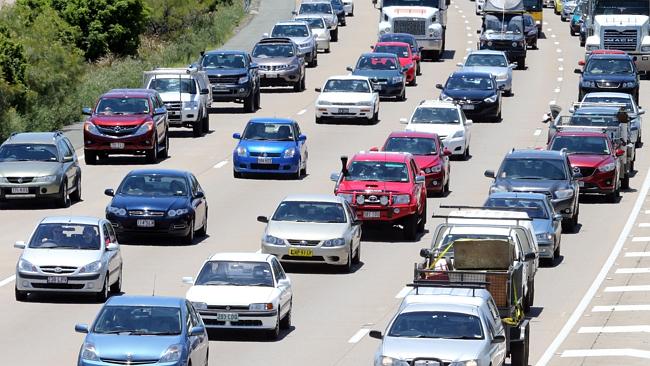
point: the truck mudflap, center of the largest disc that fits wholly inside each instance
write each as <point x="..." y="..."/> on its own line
<point x="518" y="338"/>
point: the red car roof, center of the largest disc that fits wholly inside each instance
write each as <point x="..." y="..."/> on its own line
<point x="414" y="134"/>
<point x="391" y="157"/>
<point x="608" y="52"/>
<point x="581" y="133"/>
<point x="403" y="44"/>
<point x="128" y="93"/>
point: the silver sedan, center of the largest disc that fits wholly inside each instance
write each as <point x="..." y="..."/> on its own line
<point x="493" y="62"/>
<point x="313" y="229"/>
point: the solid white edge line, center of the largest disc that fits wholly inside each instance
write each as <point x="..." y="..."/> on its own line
<point x="586" y="299"/>
<point x="220" y="164"/>
<point x="301" y="112"/>
<point x="615" y="329"/>
<point x="632" y="270"/>
<point x="644" y="224"/>
<point x="403" y="292"/>
<point x="641" y="238"/>
<point x="7" y="280"/>
<point x="610" y="308"/>
<point x="623" y="352"/>
<point x="627" y="288"/>
<point x="637" y="254"/>
<point x="358" y="335"/>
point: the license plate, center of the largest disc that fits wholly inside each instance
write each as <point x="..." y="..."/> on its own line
<point x="146" y="223"/>
<point x="344" y="110"/>
<point x="220" y="89"/>
<point x="581" y="183"/>
<point x="117" y="145"/>
<point x="175" y="113"/>
<point x="228" y="317"/>
<point x="468" y="106"/>
<point x="271" y="76"/>
<point x="264" y="160"/>
<point x="57" y="279"/>
<point x="297" y="252"/>
<point x="371" y="214"/>
<point x="20" y="190"/>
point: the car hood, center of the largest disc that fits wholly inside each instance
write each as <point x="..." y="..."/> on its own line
<point x="299" y="40"/>
<point x="272" y="61"/>
<point x="230" y="295"/>
<point x="306" y="230"/>
<point x="377" y="73"/>
<point x="588" y="161"/>
<point x="29" y="168"/>
<point x="130" y="120"/>
<point x="345" y="97"/>
<point x="60" y="257"/>
<point x="424" y="161"/>
<point x="225" y="72"/>
<point x="444" y="349"/>
<point x="149" y="203"/>
<point x="542" y="226"/>
<point x="176" y="96"/>
<point x="529" y="185"/>
<point x="137" y="348"/>
<point x="439" y="128"/>
<point x="469" y="94"/>
<point x="490" y="69"/>
<point x="374" y="187"/>
<point x="621" y="78"/>
<point x="266" y="146"/>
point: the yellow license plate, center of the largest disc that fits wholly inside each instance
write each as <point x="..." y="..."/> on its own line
<point x="300" y="252"/>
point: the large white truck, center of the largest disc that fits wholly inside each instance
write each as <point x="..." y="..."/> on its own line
<point x="621" y="25"/>
<point x="425" y="19"/>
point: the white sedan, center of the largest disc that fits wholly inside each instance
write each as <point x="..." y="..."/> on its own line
<point x="347" y="97"/>
<point x="445" y="119"/>
<point x="348" y="6"/>
<point x="242" y="291"/>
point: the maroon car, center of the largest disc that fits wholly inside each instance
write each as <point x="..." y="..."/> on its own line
<point x="127" y="121"/>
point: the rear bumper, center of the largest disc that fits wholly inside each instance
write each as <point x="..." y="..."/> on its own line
<point x="429" y="44"/>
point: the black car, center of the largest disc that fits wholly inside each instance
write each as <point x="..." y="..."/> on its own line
<point x="541" y="171"/>
<point x="406" y="38"/>
<point x="233" y="77"/>
<point x="531" y="31"/>
<point x="609" y="73"/>
<point x="158" y="201"/>
<point x="504" y="32"/>
<point x="337" y="5"/>
<point x="385" y="72"/>
<point x="476" y="92"/>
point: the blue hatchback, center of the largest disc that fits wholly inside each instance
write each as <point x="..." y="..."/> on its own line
<point x="136" y="330"/>
<point x="270" y="146"/>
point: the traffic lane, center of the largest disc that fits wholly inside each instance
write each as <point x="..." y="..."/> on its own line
<point x="271" y="11"/>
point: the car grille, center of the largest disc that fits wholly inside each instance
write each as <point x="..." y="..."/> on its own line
<point x="303" y="259"/>
<point x="547" y="193"/>
<point x="58" y="269"/>
<point x="128" y="362"/>
<point x="411" y="26"/>
<point x="146" y="213"/>
<point x="224" y="79"/>
<point x="227" y="307"/>
<point x="58" y="286"/>
<point x="117" y="130"/>
<point x="240" y="323"/>
<point x="347" y="104"/>
<point x="173" y="106"/>
<point x="20" y="179"/>
<point x="265" y="166"/>
<point x="625" y="40"/>
<point x="465" y="101"/>
<point x="265" y="154"/>
<point x="608" y="85"/>
<point x="309" y="243"/>
<point x="587" y="171"/>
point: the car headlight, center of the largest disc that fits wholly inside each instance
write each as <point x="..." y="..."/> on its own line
<point x="464" y="363"/>
<point x="144" y="128"/>
<point x="401" y="199"/>
<point x="44" y="179"/>
<point x="116" y="211"/>
<point x="178" y="212"/>
<point x="193" y="104"/>
<point x="260" y="306"/>
<point x="502" y="77"/>
<point x="645" y="48"/>
<point x="88" y="352"/>
<point x="324" y="102"/>
<point x="241" y="151"/>
<point x="435" y="32"/>
<point x="360" y="199"/>
<point x="446" y="98"/>
<point x="491" y="99"/>
<point x="390" y="361"/>
<point x="90" y="127"/>
<point x="588" y="84"/>
<point x="91" y="267"/>
<point x="200" y="305"/>
<point x="365" y="103"/>
<point x="26" y="266"/>
<point x="338" y="242"/>
<point x="242" y="80"/>
<point x="564" y="193"/>
<point x="346" y="196"/>
<point x="290" y="152"/>
<point x="514" y="44"/>
<point x="629" y="84"/>
<point x="433" y="169"/>
<point x="4" y="180"/>
<point x="397" y="79"/>
<point x="544" y="237"/>
<point x="172" y="353"/>
<point x="607" y="167"/>
<point x="270" y="239"/>
<point x="457" y="134"/>
<point x="497" y="189"/>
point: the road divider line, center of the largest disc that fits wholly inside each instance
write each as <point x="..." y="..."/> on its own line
<point x="538" y="131"/>
<point x="301" y="112"/>
<point x="637" y="254"/>
<point x="609" y="308"/>
<point x="600" y="277"/>
<point x="632" y="270"/>
<point x="645" y="224"/>
<point x="647" y="212"/>
<point x="220" y="164"/>
<point x="641" y="238"/>
<point x="612" y="352"/>
<point x="403" y="292"/>
<point x="7" y="280"/>
<point x="615" y="329"/>
<point x="358" y="335"/>
<point x="639" y="288"/>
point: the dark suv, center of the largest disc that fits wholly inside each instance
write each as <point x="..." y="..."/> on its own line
<point x="609" y="73"/>
<point x="233" y="77"/>
<point x="541" y="171"/>
<point x="279" y="63"/>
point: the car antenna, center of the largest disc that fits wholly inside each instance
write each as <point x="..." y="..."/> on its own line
<point x="153" y="291"/>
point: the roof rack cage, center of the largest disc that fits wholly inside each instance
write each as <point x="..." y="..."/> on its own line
<point x="594" y="104"/>
<point x="493" y="208"/>
<point x="447" y="217"/>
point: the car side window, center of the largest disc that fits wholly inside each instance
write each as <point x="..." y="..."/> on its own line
<point x="109" y="233"/>
<point x="63" y="149"/>
<point x="189" y="321"/>
<point x="69" y="146"/>
<point x="350" y="211"/>
<point x="277" y="268"/>
<point x="106" y="234"/>
<point x="195" y="184"/>
<point x="414" y="170"/>
<point x="297" y="130"/>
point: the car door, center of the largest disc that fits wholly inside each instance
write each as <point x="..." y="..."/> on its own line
<point x="527" y="246"/>
<point x="74" y="165"/>
<point x="466" y="126"/>
<point x="500" y="349"/>
<point x="557" y="224"/>
<point x="301" y="145"/>
<point x="109" y="256"/>
<point x="283" y="284"/>
<point x="355" y="226"/>
<point x="418" y="188"/>
<point x="199" y="204"/>
<point x="69" y="170"/>
<point x="444" y="158"/>
<point x="197" y="344"/>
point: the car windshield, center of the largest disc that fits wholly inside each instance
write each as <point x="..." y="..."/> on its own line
<point x="536" y="209"/>
<point x="153" y="185"/>
<point x="426" y="3"/>
<point x="320" y="212"/>
<point x="397" y="37"/>
<point x="436" y="324"/>
<point x="486" y="60"/>
<point x="347" y="86"/>
<point x="235" y="273"/>
<point x="66" y="236"/>
<point x="609" y="67"/>
<point x="413" y="145"/>
<point x="138" y="320"/>
<point x="464" y="82"/>
<point x="315" y="8"/>
<point x="273" y="50"/>
<point x="585" y="145"/>
<point x="377" y="63"/>
<point x="290" y="30"/>
<point x="449" y="239"/>
<point x="122" y="106"/>
<point x="400" y="51"/>
<point x="626" y="7"/>
<point x="268" y="131"/>
<point x="509" y="24"/>
<point x="223" y="61"/>
<point x="166" y="85"/>
<point x="533" y="168"/>
<point x="28" y="152"/>
<point x="618" y="100"/>
<point x="436" y="116"/>
<point x="314" y="23"/>
<point x="379" y="171"/>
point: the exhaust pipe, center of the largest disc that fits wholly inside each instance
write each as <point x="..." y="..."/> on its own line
<point x="344" y="165"/>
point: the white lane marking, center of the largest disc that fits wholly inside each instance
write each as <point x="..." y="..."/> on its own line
<point x="7" y="280"/>
<point x="403" y="292"/>
<point x="220" y="164"/>
<point x="632" y="270"/>
<point x="545" y="23"/>
<point x="616" y="329"/>
<point x="559" y="80"/>
<point x="467" y="22"/>
<point x="462" y="16"/>
<point x="641" y="238"/>
<point x="537" y="132"/>
<point x="552" y="35"/>
<point x="557" y="90"/>
<point x="358" y="335"/>
<point x="560" y="59"/>
<point x="469" y="34"/>
<point x="558" y="50"/>
<point x="470" y="42"/>
<point x="560" y="68"/>
<point x="622" y="352"/>
<point x="301" y="112"/>
<point x="259" y="251"/>
<point x="556" y="43"/>
<point x="460" y="11"/>
<point x="639" y="288"/>
<point x="549" y="29"/>
<point x="647" y="212"/>
<point x="637" y="254"/>
<point x="644" y="224"/>
<point x="598" y="280"/>
<point x="597" y="309"/>
<point x="468" y="28"/>
<point x="80" y="157"/>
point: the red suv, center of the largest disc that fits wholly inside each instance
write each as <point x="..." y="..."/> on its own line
<point x="406" y="58"/>
<point x="384" y="188"/>
<point x="127" y="121"/>
<point x="593" y="155"/>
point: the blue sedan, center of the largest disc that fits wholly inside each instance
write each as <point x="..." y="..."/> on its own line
<point x="135" y="330"/>
<point x="158" y="201"/>
<point x="270" y="146"/>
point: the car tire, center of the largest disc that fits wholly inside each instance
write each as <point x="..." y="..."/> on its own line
<point x="521" y="63"/>
<point x="274" y="334"/>
<point x="189" y="238"/>
<point x="164" y="154"/>
<point x="328" y="50"/>
<point x="557" y="252"/>
<point x="422" y="222"/>
<point x="414" y="82"/>
<point x="375" y="117"/>
<point x="572" y="32"/>
<point x="498" y="117"/>
<point x="206" y="123"/>
<point x="285" y="323"/>
<point x="357" y="255"/>
<point x="402" y="96"/>
<point x="334" y="35"/>
<point x="319" y="120"/>
<point x="613" y="196"/>
<point x="249" y="103"/>
<point x="466" y="154"/>
<point x="236" y="174"/>
<point x="76" y="195"/>
<point x="20" y="295"/>
<point x="90" y="157"/>
<point x="104" y="294"/>
<point x="197" y="128"/>
<point x="152" y="155"/>
<point x="570" y="225"/>
<point x="625" y="182"/>
<point x="116" y="288"/>
<point x="582" y="43"/>
<point x="411" y="228"/>
<point x="64" y="197"/>
<point x="530" y="297"/>
<point x="203" y="231"/>
<point x="347" y="267"/>
<point x="418" y="70"/>
<point x="258" y="99"/>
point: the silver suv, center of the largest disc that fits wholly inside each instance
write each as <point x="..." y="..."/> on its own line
<point x="39" y="165"/>
<point x="279" y="63"/>
<point x="299" y="32"/>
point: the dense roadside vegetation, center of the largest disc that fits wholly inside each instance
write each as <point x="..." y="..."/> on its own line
<point x="59" y="55"/>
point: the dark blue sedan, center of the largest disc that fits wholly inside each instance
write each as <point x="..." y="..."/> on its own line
<point x="270" y="146"/>
<point x="476" y="92"/>
<point x="385" y="72"/>
<point x="158" y="201"/>
<point x="138" y="330"/>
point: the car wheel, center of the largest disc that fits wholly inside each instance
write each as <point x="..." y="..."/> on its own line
<point x="189" y="238"/>
<point x="557" y="252"/>
<point x="521" y="63"/>
<point x="274" y="334"/>
<point x="466" y="154"/>
<point x="206" y="123"/>
<point x="418" y="71"/>
<point x="411" y="228"/>
<point x="402" y="97"/>
<point x="20" y="295"/>
<point x="347" y="267"/>
<point x="357" y="255"/>
<point x="572" y="32"/>
<point x="76" y="195"/>
<point x="90" y="157"/>
<point x="64" y="196"/>
<point x="203" y="231"/>
<point x="258" y="99"/>
<point x="152" y="155"/>
<point x="249" y="103"/>
<point x="422" y="222"/>
<point x="328" y="49"/>
<point x="414" y="82"/>
<point x="530" y="297"/>
<point x="103" y="295"/>
<point x="498" y="117"/>
<point x="285" y="323"/>
<point x="164" y="154"/>
<point x="375" y="117"/>
<point x="335" y="35"/>
<point x="625" y="182"/>
<point x="116" y="288"/>
<point x="613" y="196"/>
<point x="197" y="128"/>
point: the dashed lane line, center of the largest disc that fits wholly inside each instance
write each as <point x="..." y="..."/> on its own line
<point x="638" y="288"/>
<point x="612" y="352"/>
<point x="615" y="329"/>
<point x="637" y="254"/>
<point x="358" y="335"/>
<point x="7" y="280"/>
<point x="644" y="224"/>
<point x="632" y="270"/>
<point x="220" y="164"/>
<point x="610" y="308"/>
<point x="641" y="238"/>
<point x="301" y="112"/>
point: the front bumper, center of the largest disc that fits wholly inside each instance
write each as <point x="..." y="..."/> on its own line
<point x="173" y="226"/>
<point x="546" y="249"/>
<point x="429" y="44"/>
<point x="133" y="144"/>
<point x="434" y="182"/>
<point x="386" y="214"/>
<point x="230" y="92"/>
<point x="125" y="362"/>
<point x="349" y="8"/>
<point x="247" y="319"/>
<point x="481" y="109"/>
<point x="344" y="111"/>
<point x="16" y="191"/>
<point x="308" y="254"/>
<point x="390" y="89"/>
<point x="277" y="165"/>
<point x="279" y="77"/>
<point x="599" y="182"/>
<point x="38" y="282"/>
<point x="455" y="145"/>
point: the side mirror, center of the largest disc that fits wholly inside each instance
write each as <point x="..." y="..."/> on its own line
<point x="469" y="122"/>
<point x="478" y="31"/>
<point x="374" y="148"/>
<point x="302" y="137"/>
<point x="581" y="63"/>
<point x="236" y="136"/>
<point x="159" y="111"/>
<point x="68" y="159"/>
<point x="350" y="69"/>
<point x="188" y="280"/>
<point x="641" y="111"/>
<point x="372" y="47"/>
<point x="205" y="91"/>
<point x="294" y="12"/>
<point x="439" y="86"/>
<point x="253" y="65"/>
<point x="265" y="35"/>
<point x="317" y="90"/>
<point x="403" y="121"/>
<point x="19" y="245"/>
<point x="335" y="176"/>
<point x="375" y="333"/>
<point x="489" y="174"/>
<point x="81" y="328"/>
<point x="109" y="192"/>
<point x="196" y="331"/>
<point x="620" y="152"/>
<point x="460" y="64"/>
<point x="446" y="152"/>
<point x="420" y="179"/>
<point x="111" y="247"/>
<point x="425" y="253"/>
<point x="87" y="111"/>
<point x="558" y="217"/>
<point x="577" y="175"/>
<point x="499" y="339"/>
<point x="577" y="71"/>
<point x="199" y="194"/>
<point x="263" y="219"/>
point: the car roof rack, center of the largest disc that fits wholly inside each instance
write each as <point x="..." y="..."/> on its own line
<point x="450" y="284"/>
<point x="458" y="207"/>
<point x="594" y="104"/>
<point x="493" y="208"/>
